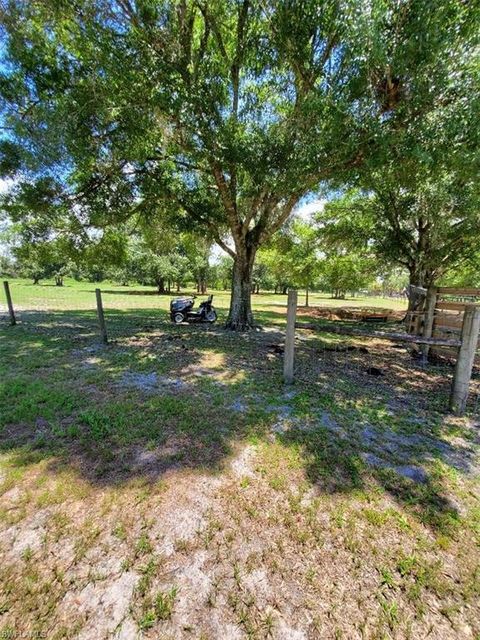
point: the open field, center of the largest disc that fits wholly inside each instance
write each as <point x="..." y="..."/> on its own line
<point x="169" y="486"/>
<point x="81" y="296"/>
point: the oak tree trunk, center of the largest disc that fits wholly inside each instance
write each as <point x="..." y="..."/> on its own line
<point x="419" y="277"/>
<point x="240" y="317"/>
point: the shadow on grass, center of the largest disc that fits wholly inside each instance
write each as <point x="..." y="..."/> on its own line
<point x="164" y="398"/>
<point x="137" y="407"/>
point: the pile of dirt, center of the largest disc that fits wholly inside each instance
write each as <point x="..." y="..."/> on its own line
<point x="360" y="314"/>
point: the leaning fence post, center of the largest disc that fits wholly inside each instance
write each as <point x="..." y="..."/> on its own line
<point x="290" y="337"/>
<point x="465" y="359"/>
<point x="11" y="312"/>
<point x="101" y="317"/>
<point x="430" y="305"/>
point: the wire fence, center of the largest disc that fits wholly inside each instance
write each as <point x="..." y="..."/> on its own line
<point x="382" y="366"/>
<point x="71" y="312"/>
<point x="365" y="358"/>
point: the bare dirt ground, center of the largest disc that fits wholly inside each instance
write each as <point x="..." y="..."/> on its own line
<point x="352" y="313"/>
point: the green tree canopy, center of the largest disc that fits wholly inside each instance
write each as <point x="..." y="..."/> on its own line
<point x="304" y="256"/>
<point x="428" y="225"/>
<point x="223" y="113"/>
<point x="341" y="274"/>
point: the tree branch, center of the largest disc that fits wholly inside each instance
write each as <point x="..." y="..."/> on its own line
<point x="215" y="233"/>
<point x="286" y="211"/>
<point x="215" y="30"/>
<point x="226" y="198"/>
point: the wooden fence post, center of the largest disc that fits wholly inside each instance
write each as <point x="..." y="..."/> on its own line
<point x="465" y="359"/>
<point x="11" y="312"/>
<point x="430" y="305"/>
<point x="288" y="357"/>
<point x="101" y="317"/>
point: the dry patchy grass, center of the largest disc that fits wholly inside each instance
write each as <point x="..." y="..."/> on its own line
<point x="169" y="486"/>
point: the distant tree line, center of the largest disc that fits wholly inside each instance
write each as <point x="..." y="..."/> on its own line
<point x="119" y="118"/>
<point x="172" y="261"/>
<point x="337" y="251"/>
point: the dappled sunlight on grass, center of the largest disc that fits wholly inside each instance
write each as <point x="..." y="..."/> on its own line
<point x="183" y="385"/>
<point x="172" y="444"/>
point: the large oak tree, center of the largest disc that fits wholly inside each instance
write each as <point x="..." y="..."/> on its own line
<point x="429" y="224"/>
<point x="224" y="113"/>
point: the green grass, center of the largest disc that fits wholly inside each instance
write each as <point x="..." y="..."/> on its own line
<point x="75" y="296"/>
<point x="107" y="451"/>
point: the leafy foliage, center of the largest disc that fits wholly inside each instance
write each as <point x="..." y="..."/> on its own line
<point x="223" y="115"/>
<point x="427" y="225"/>
<point x="346" y="273"/>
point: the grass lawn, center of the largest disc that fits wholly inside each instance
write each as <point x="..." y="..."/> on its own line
<point x="81" y="296"/>
<point x="168" y="485"/>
